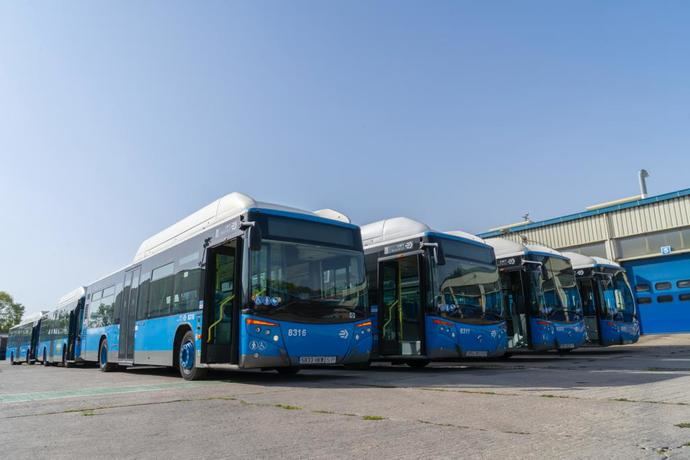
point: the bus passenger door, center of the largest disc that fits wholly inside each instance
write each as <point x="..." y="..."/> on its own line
<point x="128" y="312"/>
<point x="221" y="304"/>
<point x="76" y="317"/>
<point x="400" y="314"/>
<point x="589" y="307"/>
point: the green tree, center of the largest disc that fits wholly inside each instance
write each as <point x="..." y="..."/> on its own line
<point x="10" y="312"/>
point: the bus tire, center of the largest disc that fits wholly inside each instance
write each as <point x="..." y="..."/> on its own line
<point x="418" y="363"/>
<point x="28" y="357"/>
<point x="187" y="359"/>
<point x="12" y="359"/>
<point x="288" y="370"/>
<point x="64" y="357"/>
<point x="45" y="358"/>
<point x="103" y="363"/>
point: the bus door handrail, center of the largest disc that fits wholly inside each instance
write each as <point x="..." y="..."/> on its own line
<point x="212" y="327"/>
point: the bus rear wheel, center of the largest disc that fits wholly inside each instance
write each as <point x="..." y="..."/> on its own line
<point x="64" y="357"/>
<point x="103" y="363"/>
<point x="45" y="358"/>
<point x="12" y="359"/>
<point x="187" y="359"/>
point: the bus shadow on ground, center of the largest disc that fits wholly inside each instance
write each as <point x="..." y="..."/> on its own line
<point x="547" y="371"/>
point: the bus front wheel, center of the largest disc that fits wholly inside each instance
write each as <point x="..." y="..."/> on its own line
<point x="187" y="359"/>
<point x="12" y="359"/>
<point x="103" y="363"/>
<point x="45" y="358"/>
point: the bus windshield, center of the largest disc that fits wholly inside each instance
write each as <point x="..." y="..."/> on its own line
<point x="561" y="296"/>
<point x="625" y="303"/>
<point x="307" y="283"/>
<point x="468" y="289"/>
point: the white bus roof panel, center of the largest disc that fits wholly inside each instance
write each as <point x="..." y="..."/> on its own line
<point x="71" y="296"/>
<point x="223" y="209"/>
<point x="467" y="236"/>
<point x="391" y="230"/>
<point x="582" y="261"/>
<point x="506" y="248"/>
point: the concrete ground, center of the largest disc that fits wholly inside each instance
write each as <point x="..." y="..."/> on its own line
<point x="620" y="402"/>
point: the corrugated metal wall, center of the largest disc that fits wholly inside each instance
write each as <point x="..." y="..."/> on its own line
<point x="648" y="218"/>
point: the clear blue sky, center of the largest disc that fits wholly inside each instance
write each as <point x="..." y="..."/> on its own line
<point x="119" y="118"/>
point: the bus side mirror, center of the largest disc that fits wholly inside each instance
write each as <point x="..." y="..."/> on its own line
<point x="440" y="257"/>
<point x="254" y="238"/>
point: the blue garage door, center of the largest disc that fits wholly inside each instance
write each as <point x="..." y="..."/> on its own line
<point x="662" y="288"/>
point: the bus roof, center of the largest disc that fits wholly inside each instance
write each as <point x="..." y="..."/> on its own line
<point x="583" y="261"/>
<point x="221" y="210"/>
<point x="466" y="236"/>
<point x="29" y="319"/>
<point x="71" y="296"/>
<point x="392" y="229"/>
<point x="506" y="248"/>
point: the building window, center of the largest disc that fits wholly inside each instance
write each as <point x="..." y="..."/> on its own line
<point x="684" y="297"/>
<point x="642" y="287"/>
<point x="651" y="244"/>
<point x="592" y="250"/>
<point x="683" y="284"/>
<point x="663" y="286"/>
<point x="664" y="298"/>
<point x="642" y="300"/>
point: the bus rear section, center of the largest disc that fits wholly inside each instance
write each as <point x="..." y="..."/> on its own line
<point x="608" y="303"/>
<point x="436" y="295"/>
<point x="22" y="342"/>
<point x="61" y="330"/>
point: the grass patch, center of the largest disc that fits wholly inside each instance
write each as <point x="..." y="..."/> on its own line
<point x="88" y="413"/>
<point x="622" y="400"/>
<point x="327" y="412"/>
<point x="683" y="425"/>
<point x="557" y="396"/>
<point x="288" y="407"/>
<point x="373" y="417"/>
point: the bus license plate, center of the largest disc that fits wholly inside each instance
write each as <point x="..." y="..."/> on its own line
<point x="317" y="359"/>
<point x="476" y="354"/>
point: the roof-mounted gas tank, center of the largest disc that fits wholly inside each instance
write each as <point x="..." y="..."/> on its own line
<point x="222" y="210"/>
<point x="390" y="230"/>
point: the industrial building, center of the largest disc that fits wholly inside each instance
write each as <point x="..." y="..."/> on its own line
<point x="648" y="235"/>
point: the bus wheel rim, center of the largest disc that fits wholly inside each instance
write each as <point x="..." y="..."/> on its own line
<point x="187" y="356"/>
<point x="104" y="356"/>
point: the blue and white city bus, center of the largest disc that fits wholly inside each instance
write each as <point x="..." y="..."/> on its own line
<point x="434" y="295"/>
<point x="237" y="284"/>
<point x="543" y="305"/>
<point x="607" y="300"/>
<point x="59" y="337"/>
<point x="22" y="341"/>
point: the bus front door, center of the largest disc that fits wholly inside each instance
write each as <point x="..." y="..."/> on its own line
<point x="590" y="308"/>
<point x="221" y="304"/>
<point x="76" y="317"/>
<point x="128" y="312"/>
<point x="401" y="316"/>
